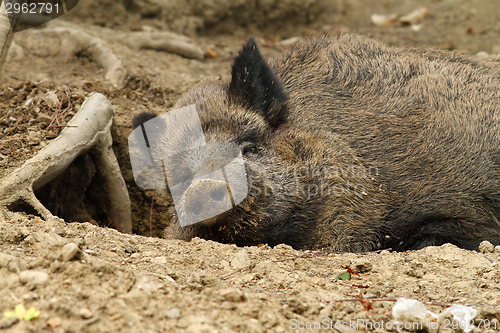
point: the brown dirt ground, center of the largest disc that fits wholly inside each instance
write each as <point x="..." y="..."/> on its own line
<point x="133" y="283"/>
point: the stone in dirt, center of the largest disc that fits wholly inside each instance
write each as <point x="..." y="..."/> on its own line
<point x="70" y="251"/>
<point x="33" y="278"/>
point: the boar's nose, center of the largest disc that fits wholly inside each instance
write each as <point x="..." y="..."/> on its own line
<point x="207" y="198"/>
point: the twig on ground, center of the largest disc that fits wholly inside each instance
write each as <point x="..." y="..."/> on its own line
<point x="76" y="41"/>
<point x="57" y="114"/>
<point x="151" y="215"/>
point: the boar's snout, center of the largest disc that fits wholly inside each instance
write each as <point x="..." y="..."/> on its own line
<point x="207" y="198"/>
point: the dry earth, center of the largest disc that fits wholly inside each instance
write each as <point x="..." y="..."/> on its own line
<point x="84" y="277"/>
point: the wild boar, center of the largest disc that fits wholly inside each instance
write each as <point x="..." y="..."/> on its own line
<point x="351" y="145"/>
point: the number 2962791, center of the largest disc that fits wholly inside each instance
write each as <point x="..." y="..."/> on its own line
<point x="31" y="8"/>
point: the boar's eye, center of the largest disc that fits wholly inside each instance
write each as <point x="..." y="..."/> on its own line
<point x="249" y="148"/>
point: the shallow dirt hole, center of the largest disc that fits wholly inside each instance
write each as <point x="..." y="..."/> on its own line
<point x="77" y="194"/>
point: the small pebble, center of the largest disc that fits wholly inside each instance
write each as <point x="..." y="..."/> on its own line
<point x="60" y="231"/>
<point x="482" y="55"/>
<point x="33" y="277"/>
<point x="240" y="259"/>
<point x="279" y="329"/>
<point x="128" y="247"/>
<point x="232" y="295"/>
<point x="8" y="322"/>
<point x="363" y="267"/>
<point x="415" y="17"/>
<point x="384" y="20"/>
<point x="54" y="322"/>
<point x="5" y="259"/>
<point x="159" y="260"/>
<point x="70" y="251"/>
<point x="85" y="313"/>
<point x="173" y="313"/>
<point x="486" y="247"/>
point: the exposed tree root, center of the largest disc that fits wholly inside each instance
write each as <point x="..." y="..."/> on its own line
<point x="163" y="41"/>
<point x="73" y="41"/>
<point x="7" y="26"/>
<point x="90" y="127"/>
<point x="16" y="52"/>
<point x="68" y="42"/>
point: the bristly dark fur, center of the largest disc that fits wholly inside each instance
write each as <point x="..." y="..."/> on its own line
<point x="355" y="146"/>
<point x="142" y="117"/>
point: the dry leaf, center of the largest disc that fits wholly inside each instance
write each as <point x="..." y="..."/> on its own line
<point x="366" y="303"/>
<point x="211" y="53"/>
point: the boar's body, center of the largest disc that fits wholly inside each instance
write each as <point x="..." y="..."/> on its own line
<point x="353" y="145"/>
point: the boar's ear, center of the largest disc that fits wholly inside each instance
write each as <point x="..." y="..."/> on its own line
<point x="254" y="84"/>
<point x="154" y="131"/>
<point x="141" y="118"/>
